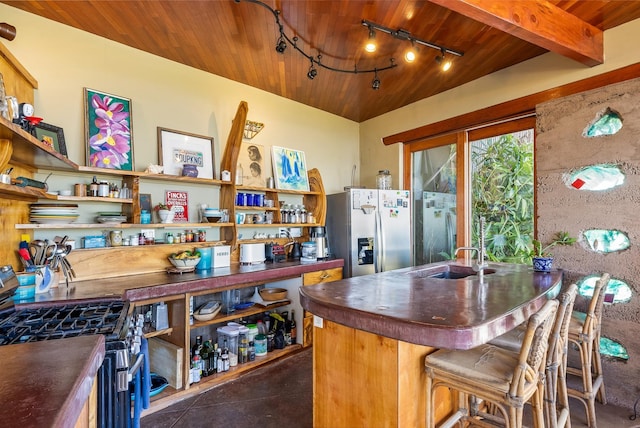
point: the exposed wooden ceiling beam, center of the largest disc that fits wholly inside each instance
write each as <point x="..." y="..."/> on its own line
<point x="538" y="22"/>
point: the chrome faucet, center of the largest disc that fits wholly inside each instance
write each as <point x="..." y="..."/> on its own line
<point x="480" y="264"/>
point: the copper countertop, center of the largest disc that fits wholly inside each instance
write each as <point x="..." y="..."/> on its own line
<point x="161" y="284"/>
<point x="443" y="313"/>
<point x="44" y="384"/>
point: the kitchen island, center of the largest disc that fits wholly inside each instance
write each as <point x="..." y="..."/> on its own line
<point x="372" y="333"/>
<point x="50" y="383"/>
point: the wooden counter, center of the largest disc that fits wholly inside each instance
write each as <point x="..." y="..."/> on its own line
<point x="158" y="285"/>
<point x="49" y="383"/>
<point x="372" y="333"/>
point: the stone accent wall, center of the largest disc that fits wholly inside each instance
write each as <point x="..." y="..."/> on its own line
<point x="560" y="148"/>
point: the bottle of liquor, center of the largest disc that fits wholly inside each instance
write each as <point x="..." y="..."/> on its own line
<point x="196" y="367"/>
<point x="214" y="358"/>
<point x="197" y="346"/>
<point x="204" y="356"/>
<point x="220" y="365"/>
<point x="252" y="351"/>
<point x="294" y="328"/>
<point x="287" y="329"/>
<point x="225" y="357"/>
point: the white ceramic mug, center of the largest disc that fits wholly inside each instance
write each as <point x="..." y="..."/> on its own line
<point x="6" y="179"/>
<point x="225" y="175"/>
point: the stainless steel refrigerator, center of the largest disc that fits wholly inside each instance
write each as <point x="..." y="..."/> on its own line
<point x="370" y="229"/>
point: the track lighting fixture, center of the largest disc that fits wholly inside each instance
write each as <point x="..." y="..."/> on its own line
<point x="281" y="46"/>
<point x="375" y="83"/>
<point x="444" y="63"/>
<point x="283" y="40"/>
<point x="371" y="42"/>
<point x="312" y="73"/>
<point x="410" y="55"/>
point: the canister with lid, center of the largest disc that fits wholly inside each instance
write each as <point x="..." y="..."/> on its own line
<point x="309" y="252"/>
<point x="383" y="180"/>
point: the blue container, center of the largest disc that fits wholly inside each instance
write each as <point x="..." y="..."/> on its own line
<point x="258" y="200"/>
<point x="205" y="258"/>
<point x="145" y="217"/>
<point x="241" y="199"/>
<point x="25" y="291"/>
<point x="250" y="199"/>
<point x="26" y="278"/>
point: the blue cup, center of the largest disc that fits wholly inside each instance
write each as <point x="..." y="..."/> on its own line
<point x="241" y="199"/>
<point x="205" y="258"/>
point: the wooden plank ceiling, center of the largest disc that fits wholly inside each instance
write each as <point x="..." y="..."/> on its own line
<point x="237" y="39"/>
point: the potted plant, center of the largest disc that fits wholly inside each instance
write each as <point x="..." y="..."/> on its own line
<point x="541" y="257"/>
<point x="165" y="213"/>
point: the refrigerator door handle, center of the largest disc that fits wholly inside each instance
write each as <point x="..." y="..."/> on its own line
<point x="378" y="245"/>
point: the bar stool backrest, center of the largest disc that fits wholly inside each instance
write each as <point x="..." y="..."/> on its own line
<point x="534" y="348"/>
<point x="593" y="321"/>
<point x="558" y="340"/>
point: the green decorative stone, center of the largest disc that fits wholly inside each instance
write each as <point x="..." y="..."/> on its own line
<point x="595" y="178"/>
<point x="608" y="124"/>
<point x="606" y="240"/>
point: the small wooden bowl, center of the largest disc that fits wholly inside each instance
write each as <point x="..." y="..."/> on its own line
<point x="270" y="294"/>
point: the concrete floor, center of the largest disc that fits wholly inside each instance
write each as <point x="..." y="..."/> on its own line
<point x="280" y="396"/>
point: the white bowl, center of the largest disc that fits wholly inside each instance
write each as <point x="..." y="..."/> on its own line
<point x="65" y="192"/>
<point x="183" y="263"/>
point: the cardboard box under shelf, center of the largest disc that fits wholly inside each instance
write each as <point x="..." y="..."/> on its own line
<point x="166" y="359"/>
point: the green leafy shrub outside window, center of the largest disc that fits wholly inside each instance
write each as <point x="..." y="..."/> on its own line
<point x="502" y="192"/>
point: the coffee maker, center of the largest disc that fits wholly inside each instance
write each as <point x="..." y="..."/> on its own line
<point x="319" y="236"/>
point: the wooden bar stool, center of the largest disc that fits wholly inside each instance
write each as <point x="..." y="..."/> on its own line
<point x="584" y="333"/>
<point x="556" y="400"/>
<point x="503" y="378"/>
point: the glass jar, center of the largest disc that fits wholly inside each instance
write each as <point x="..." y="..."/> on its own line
<point x="383" y="180"/>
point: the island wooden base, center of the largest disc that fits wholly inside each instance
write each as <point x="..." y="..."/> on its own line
<point x="363" y="379"/>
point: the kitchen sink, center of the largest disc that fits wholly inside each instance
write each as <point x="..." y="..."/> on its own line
<point x="451" y="271"/>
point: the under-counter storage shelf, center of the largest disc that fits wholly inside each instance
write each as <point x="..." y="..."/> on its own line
<point x="255" y="309"/>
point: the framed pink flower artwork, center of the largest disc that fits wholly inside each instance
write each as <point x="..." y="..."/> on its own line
<point x="108" y="131"/>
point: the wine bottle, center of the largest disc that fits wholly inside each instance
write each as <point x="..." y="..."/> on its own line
<point x="294" y="328"/>
<point x="197" y="346"/>
<point x="196" y="367"/>
<point x="214" y="358"/>
<point x="225" y="357"/>
<point x="204" y="356"/>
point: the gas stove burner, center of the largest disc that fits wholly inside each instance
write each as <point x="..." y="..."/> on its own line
<point x="57" y="322"/>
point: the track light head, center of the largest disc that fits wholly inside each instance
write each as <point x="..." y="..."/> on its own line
<point x="281" y="46"/>
<point x="444" y="63"/>
<point x="312" y="73"/>
<point x="375" y="83"/>
<point x="410" y="54"/>
<point x="371" y="42"/>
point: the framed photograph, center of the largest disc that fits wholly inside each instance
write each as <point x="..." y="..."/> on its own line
<point x="145" y="202"/>
<point x="52" y="136"/>
<point x="290" y="169"/>
<point x="176" y="149"/>
<point x="108" y="125"/>
<point x="251" y="159"/>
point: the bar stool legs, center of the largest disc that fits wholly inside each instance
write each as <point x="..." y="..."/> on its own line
<point x="504" y="378"/>
<point x="584" y="334"/>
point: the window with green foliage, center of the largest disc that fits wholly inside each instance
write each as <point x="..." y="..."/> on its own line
<point x="502" y="192"/>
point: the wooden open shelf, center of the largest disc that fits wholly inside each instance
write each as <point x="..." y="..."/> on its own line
<point x="255" y="309"/>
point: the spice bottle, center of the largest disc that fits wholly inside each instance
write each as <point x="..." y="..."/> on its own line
<point x="93" y="187"/>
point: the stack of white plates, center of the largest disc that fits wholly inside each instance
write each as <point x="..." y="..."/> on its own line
<point x="53" y="213"/>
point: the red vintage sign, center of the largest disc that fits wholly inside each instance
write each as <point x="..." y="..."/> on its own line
<point x="180" y="202"/>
